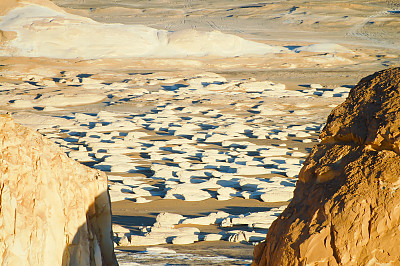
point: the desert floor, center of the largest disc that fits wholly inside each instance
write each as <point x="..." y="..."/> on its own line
<point x="211" y="137"/>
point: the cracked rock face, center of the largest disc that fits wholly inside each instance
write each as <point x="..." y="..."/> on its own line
<point x="53" y="210"/>
<point x="346" y="205"/>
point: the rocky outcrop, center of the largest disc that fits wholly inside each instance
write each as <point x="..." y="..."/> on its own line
<point x="346" y="205"/>
<point x="53" y="211"/>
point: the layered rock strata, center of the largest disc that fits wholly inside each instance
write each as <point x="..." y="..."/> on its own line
<point x="53" y="210"/>
<point x="346" y="205"/>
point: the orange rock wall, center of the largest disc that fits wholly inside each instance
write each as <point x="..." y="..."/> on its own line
<point x="346" y="205"/>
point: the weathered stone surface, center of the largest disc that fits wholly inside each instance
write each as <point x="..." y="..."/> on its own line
<point x="53" y="211"/>
<point x="370" y="115"/>
<point x="346" y="205"/>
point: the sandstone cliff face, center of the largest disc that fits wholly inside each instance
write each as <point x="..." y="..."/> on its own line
<point x="346" y="205"/>
<point x="53" y="211"/>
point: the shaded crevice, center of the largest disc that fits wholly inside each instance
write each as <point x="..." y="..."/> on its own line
<point x="1" y="196"/>
<point x="370" y="222"/>
<point x="333" y="246"/>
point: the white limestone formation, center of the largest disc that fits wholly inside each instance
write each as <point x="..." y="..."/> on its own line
<point x="54" y="211"/>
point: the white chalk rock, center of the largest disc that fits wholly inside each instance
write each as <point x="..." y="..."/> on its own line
<point x="54" y="211"/>
<point x="184" y="240"/>
<point x="187" y="192"/>
<point x="226" y="193"/>
<point x="166" y="219"/>
<point x="206" y="220"/>
<point x="252" y="170"/>
<point x="255" y="236"/>
<point x="148" y="240"/>
<point x="124" y="241"/>
<point x="212" y="237"/>
<point x="238" y="237"/>
<point x="186" y="235"/>
<point x="159" y="250"/>
<point x="117" y="40"/>
<point x="298" y="154"/>
<point x="81" y="156"/>
<point x="316" y="86"/>
<point x="277" y="196"/>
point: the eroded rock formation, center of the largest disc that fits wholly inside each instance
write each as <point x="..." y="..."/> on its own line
<point x="53" y="210"/>
<point x="346" y="205"/>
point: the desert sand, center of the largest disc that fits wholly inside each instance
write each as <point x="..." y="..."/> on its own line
<point x="200" y="109"/>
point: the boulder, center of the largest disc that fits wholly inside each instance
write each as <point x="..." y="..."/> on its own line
<point x="346" y="205"/>
<point x="53" y="210"/>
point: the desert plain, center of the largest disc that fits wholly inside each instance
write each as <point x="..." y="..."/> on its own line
<point x="200" y="112"/>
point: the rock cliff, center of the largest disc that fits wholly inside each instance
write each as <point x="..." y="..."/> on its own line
<point x="346" y="205"/>
<point x="53" y="211"/>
